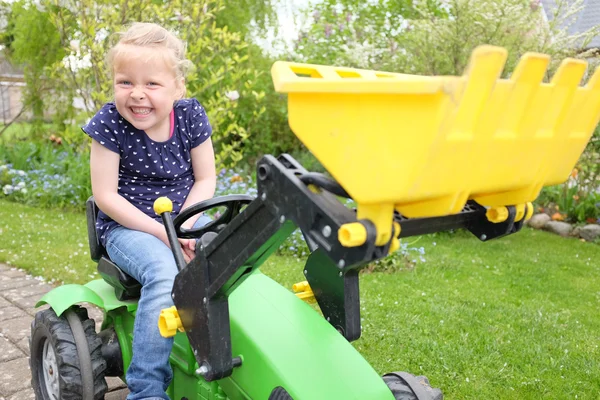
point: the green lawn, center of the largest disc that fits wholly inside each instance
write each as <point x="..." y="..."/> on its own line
<point x="514" y="318"/>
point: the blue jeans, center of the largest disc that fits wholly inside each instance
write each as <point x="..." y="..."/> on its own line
<point x="147" y="259"/>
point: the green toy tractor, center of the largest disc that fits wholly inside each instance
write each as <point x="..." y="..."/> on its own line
<point x="256" y="339"/>
<point x="417" y="154"/>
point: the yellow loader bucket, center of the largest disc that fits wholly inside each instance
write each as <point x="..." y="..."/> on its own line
<point x="424" y="145"/>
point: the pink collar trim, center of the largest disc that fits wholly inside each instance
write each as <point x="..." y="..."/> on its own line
<point x="172" y="123"/>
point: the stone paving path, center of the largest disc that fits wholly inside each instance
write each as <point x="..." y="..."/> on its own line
<point x="18" y="295"/>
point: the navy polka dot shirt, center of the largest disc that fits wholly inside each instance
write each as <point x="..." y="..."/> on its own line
<point x="149" y="169"/>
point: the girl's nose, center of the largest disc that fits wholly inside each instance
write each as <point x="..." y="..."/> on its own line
<point x="137" y="94"/>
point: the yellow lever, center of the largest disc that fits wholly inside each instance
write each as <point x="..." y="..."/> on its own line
<point x="169" y="322"/>
<point x="162" y="204"/>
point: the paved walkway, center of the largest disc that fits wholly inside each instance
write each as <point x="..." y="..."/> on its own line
<point x="18" y="295"/>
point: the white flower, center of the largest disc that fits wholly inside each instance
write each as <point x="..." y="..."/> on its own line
<point x="75" y="61"/>
<point x="233" y="95"/>
<point x="8" y="189"/>
<point x="100" y="35"/>
<point x="74" y="44"/>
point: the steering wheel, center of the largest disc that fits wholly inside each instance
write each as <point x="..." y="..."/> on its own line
<point x="233" y="204"/>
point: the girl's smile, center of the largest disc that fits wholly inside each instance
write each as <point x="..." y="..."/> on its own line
<point x="140" y="112"/>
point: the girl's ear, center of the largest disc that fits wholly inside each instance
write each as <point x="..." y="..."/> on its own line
<point x="182" y="88"/>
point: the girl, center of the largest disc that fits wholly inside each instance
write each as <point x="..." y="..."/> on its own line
<point x="148" y="143"/>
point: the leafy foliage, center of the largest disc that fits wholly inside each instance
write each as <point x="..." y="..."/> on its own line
<point x="82" y="32"/>
<point x="42" y="175"/>
<point x="443" y="45"/>
<point x="435" y="37"/>
<point x="578" y="199"/>
<point x="245" y="15"/>
<point x="34" y="44"/>
<point x="356" y="33"/>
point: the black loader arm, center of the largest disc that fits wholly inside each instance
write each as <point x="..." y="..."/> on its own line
<point x="290" y="197"/>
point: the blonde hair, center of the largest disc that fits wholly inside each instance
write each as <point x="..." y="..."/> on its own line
<point x="145" y="34"/>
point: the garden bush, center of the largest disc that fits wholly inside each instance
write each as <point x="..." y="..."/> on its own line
<point x="78" y="35"/>
<point x="578" y="199"/>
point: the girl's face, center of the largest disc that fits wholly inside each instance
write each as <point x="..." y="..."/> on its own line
<point x="146" y="87"/>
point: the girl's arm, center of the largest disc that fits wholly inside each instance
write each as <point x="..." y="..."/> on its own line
<point x="104" y="166"/>
<point x="205" y="177"/>
<point x="205" y="180"/>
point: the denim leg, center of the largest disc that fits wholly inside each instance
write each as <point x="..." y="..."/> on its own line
<point x="150" y="262"/>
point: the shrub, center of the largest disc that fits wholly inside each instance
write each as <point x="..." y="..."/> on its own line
<point x="79" y="34"/>
<point x="45" y="175"/>
<point x="578" y="199"/>
<point x="435" y="37"/>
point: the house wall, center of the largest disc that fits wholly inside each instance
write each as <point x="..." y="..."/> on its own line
<point x="11" y="97"/>
<point x="11" y="100"/>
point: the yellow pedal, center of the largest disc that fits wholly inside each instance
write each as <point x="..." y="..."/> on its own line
<point x="304" y="292"/>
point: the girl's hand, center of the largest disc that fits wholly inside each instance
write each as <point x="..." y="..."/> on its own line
<point x="187" y="245"/>
<point x="189" y="249"/>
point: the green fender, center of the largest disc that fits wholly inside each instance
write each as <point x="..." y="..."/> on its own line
<point x="96" y="292"/>
<point x="285" y="342"/>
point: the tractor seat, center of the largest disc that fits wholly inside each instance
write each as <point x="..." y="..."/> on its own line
<point x="126" y="287"/>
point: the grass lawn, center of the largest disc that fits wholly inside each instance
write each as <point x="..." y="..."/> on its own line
<point x="514" y="318"/>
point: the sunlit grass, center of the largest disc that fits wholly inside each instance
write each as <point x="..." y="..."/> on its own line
<point x="514" y="318"/>
<point x="46" y="243"/>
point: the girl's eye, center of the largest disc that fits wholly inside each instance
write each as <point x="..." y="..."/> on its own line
<point x="152" y="84"/>
<point x="124" y="82"/>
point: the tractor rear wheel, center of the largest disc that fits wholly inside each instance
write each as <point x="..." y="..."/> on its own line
<point x="66" y="356"/>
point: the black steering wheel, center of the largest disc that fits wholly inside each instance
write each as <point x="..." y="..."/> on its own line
<point x="233" y="204"/>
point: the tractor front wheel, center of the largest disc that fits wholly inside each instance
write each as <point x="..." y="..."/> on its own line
<point x="66" y="356"/>
<point x="405" y="386"/>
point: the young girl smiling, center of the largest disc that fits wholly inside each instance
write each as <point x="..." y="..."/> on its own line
<point x="149" y="143"/>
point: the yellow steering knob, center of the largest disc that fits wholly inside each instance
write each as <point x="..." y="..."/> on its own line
<point x="162" y="205"/>
<point x="169" y="322"/>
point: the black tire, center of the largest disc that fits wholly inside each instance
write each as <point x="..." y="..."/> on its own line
<point x="280" y="393"/>
<point x="57" y="373"/>
<point x="405" y="386"/>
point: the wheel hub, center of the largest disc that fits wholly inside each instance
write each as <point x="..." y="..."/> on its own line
<point x="49" y="367"/>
